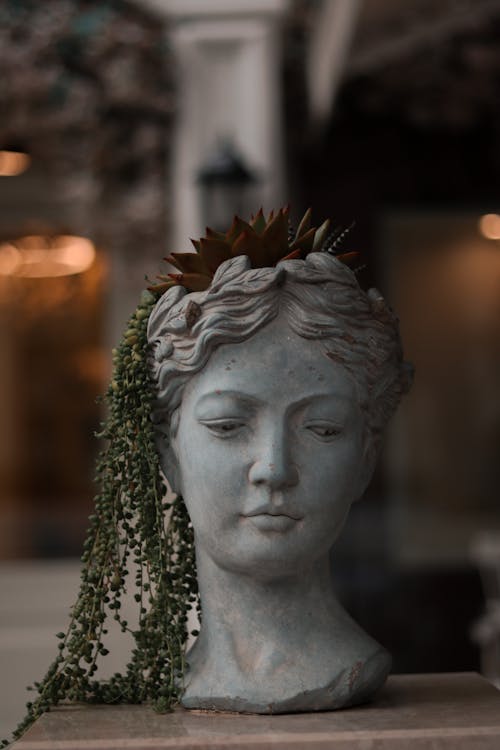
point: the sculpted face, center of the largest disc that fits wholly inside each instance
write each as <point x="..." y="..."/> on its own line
<point x="270" y="447"/>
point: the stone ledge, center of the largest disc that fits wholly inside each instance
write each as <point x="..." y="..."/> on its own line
<point x="438" y="712"/>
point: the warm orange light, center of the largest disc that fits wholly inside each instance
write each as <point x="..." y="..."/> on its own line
<point x="10" y="258"/>
<point x="489" y="226"/>
<point x="13" y="163"/>
<point x="36" y="256"/>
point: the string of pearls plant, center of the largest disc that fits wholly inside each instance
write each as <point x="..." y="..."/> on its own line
<point x="131" y="523"/>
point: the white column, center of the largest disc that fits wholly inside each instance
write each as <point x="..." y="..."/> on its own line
<point x="329" y="47"/>
<point x="228" y="54"/>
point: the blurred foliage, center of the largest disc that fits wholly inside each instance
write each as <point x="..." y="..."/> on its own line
<point x="86" y="88"/>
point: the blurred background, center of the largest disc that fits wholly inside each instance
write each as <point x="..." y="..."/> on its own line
<point x="125" y="128"/>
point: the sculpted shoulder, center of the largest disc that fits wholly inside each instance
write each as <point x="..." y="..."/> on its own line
<point x="359" y="668"/>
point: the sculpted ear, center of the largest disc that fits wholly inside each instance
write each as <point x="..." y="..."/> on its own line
<point x="168" y="459"/>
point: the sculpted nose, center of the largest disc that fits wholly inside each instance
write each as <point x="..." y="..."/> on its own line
<point x="274" y="467"/>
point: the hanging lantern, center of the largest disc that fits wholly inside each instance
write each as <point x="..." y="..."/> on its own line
<point x="225" y="183"/>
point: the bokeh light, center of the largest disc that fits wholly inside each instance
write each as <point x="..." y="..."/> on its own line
<point x="13" y="163"/>
<point x="38" y="256"/>
<point x="489" y="226"/>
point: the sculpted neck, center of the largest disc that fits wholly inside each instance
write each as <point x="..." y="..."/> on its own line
<point x="275" y="645"/>
<point x="278" y="607"/>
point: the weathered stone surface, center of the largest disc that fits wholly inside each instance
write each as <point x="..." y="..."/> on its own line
<point x="270" y="403"/>
<point x="419" y="712"/>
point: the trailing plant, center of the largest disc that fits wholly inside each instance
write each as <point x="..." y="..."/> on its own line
<point x="134" y="531"/>
<point x="128" y="529"/>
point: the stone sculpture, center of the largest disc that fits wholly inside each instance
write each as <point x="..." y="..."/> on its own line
<point x="273" y="387"/>
<point x="259" y="379"/>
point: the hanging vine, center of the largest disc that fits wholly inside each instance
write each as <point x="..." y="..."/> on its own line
<point x="132" y="526"/>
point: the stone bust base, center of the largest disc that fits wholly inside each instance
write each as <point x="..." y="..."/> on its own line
<point x="419" y="712"/>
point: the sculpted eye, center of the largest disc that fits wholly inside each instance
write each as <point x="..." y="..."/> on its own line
<point x="223" y="427"/>
<point x="324" y="430"/>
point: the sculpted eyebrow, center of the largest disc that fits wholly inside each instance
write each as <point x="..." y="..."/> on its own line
<point x="313" y="398"/>
<point x="216" y="398"/>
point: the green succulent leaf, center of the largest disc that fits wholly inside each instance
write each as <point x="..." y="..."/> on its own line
<point x="275" y="237"/>
<point x="249" y="243"/>
<point x="188" y="263"/>
<point x="213" y="253"/>
<point x="195" y="282"/>
<point x="348" y="258"/>
<point x="293" y="255"/>
<point x="321" y="235"/>
<point x="304" y="224"/>
<point x="304" y="242"/>
<point x="212" y="234"/>
<point x="258" y="222"/>
<point x="163" y="287"/>
<point x="237" y="227"/>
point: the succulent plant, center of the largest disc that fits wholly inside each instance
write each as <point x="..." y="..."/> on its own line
<point x="264" y="241"/>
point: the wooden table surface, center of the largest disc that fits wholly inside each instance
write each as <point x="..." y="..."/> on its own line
<point x="440" y="711"/>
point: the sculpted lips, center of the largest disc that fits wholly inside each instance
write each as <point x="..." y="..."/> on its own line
<point x="270" y="518"/>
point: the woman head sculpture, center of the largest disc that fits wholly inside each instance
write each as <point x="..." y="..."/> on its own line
<point x="273" y="387"/>
<point x="319" y="298"/>
<point x="260" y="380"/>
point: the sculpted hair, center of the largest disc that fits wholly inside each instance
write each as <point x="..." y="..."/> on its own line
<point x="320" y="299"/>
